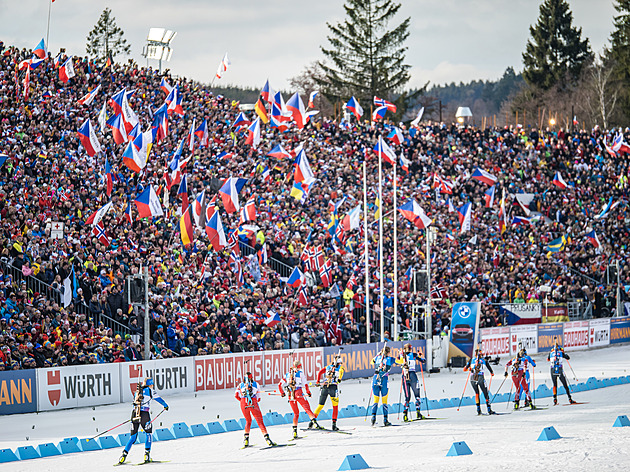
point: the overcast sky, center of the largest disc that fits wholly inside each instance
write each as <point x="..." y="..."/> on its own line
<point x="450" y="40"/>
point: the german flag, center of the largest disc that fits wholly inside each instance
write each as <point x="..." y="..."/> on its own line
<point x="186" y="226"/>
<point x="261" y="111"/>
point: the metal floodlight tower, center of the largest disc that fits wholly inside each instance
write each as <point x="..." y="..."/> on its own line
<point x="159" y="45"/>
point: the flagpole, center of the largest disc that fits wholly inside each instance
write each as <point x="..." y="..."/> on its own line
<point x="395" y="333"/>
<point x="380" y="243"/>
<point x="48" y="23"/>
<point x="366" y="253"/>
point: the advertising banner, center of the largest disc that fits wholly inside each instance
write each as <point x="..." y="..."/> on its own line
<point x="82" y="385"/>
<point x="620" y="330"/>
<point x="18" y="392"/>
<point x="547" y="335"/>
<point x="555" y="314"/>
<point x="599" y="332"/>
<point x="170" y="376"/>
<point x="464" y="329"/>
<point x="521" y="313"/>
<point x="357" y="358"/>
<point x="524" y="336"/>
<point x="575" y="335"/>
<point x="495" y="341"/>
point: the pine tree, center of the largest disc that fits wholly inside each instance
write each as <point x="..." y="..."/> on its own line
<point x="106" y="39"/>
<point x="556" y="52"/>
<point x="618" y="56"/>
<point x="367" y="58"/>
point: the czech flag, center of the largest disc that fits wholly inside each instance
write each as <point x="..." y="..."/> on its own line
<point x="88" y="138"/>
<point x="148" y="204"/>
<point x="160" y="124"/>
<point x="165" y="86"/>
<point x="223" y="66"/>
<point x="199" y="210"/>
<point x="66" y="71"/>
<point x="465" y="217"/>
<point x="280" y="152"/>
<point x="303" y="171"/>
<point x="89" y="97"/>
<point x="40" y="50"/>
<point x="116" y="101"/>
<point x="215" y="232"/>
<point x="296" y="278"/>
<point x="229" y="193"/>
<point x="186" y="227"/>
<point x="395" y="136"/>
<point x="379" y="113"/>
<point x="183" y="191"/>
<point x="593" y="239"/>
<point x="267" y="92"/>
<point x="272" y="319"/>
<point x="174" y="102"/>
<point x="413" y="212"/>
<point x="521" y="220"/>
<point x="254" y="133"/>
<point x="404" y="163"/>
<point x="483" y="176"/>
<point x="133" y="159"/>
<point x="383" y="151"/>
<point x="418" y="117"/>
<point x="489" y="196"/>
<point x="311" y="99"/>
<point x="296" y="107"/>
<point x="354" y="106"/>
<point x="558" y="181"/>
<point x="108" y="177"/>
<point x="384" y="103"/>
<point x="118" y="129"/>
<point x="202" y="133"/>
<point x="241" y="120"/>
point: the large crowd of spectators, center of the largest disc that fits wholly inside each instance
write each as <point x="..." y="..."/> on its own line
<point x="197" y="306"/>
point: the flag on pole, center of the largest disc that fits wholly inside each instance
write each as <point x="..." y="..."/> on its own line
<point x="148" y="204"/>
<point x="413" y="212"/>
<point x="465" y="217"/>
<point x="66" y="71"/>
<point x="40" y="50"/>
<point x="89" y="97"/>
<point x="593" y="239"/>
<point x="215" y="232"/>
<point x="295" y="106"/>
<point x="558" y="181"/>
<point x="88" y="138"/>
<point x="489" y="196"/>
<point x="483" y="176"/>
<point x="383" y="151"/>
<point x="186" y="227"/>
<point x="418" y="117"/>
<point x="311" y="99"/>
<point x="254" y="133"/>
<point x="384" y="103"/>
<point x="223" y="66"/>
<point x="355" y="108"/>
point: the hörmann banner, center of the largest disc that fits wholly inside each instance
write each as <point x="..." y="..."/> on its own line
<point x="620" y="330"/>
<point x="547" y="336"/>
<point x="18" y="392"/>
<point x="495" y="341"/>
<point x="83" y="385"/>
<point x="169" y="376"/>
<point x="357" y="358"/>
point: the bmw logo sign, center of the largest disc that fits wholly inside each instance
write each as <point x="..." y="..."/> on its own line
<point x="464" y="311"/>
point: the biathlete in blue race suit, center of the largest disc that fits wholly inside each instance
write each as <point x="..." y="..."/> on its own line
<point x="411" y="363"/>
<point x="477" y="366"/>
<point x="383" y="363"/>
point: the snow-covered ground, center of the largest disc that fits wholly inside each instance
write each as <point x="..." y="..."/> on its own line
<point x="508" y="441"/>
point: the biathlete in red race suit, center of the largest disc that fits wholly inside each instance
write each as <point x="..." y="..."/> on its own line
<point x="248" y="394"/>
<point x="519" y="367"/>
<point x="292" y="385"/>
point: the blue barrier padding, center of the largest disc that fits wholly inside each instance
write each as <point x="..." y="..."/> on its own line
<point x="108" y="442"/>
<point x="181" y="430"/>
<point x="323" y="415"/>
<point x="445" y="403"/>
<point x="7" y="455"/>
<point x="361" y="411"/>
<point x="47" y="450"/>
<point x="232" y="425"/>
<point x="91" y="445"/>
<point x="26" y="452"/>
<point x="199" y="430"/>
<point x="68" y="446"/>
<point x="163" y="434"/>
<point x="215" y="428"/>
<point x="243" y="422"/>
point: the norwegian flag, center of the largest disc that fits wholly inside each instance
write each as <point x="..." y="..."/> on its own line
<point x="317" y="255"/>
<point x="333" y="331"/>
<point x="235" y="264"/>
<point x="99" y="233"/>
<point x="325" y="273"/>
<point x="352" y="283"/>
<point x="438" y="292"/>
<point x="302" y="296"/>
<point x="307" y="258"/>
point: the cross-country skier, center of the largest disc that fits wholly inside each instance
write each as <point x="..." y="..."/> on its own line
<point x="140" y="416"/>
<point x="292" y="385"/>
<point x="518" y="367"/>
<point x="332" y="373"/>
<point x="477" y="366"/>
<point x="555" y="356"/>
<point x="383" y="362"/>
<point x="248" y="394"/>
<point x="411" y="362"/>
<point x="526" y="360"/>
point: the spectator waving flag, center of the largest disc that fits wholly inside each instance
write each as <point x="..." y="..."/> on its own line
<point x="384" y="103"/>
<point x="325" y="273"/>
<point x="593" y="239"/>
<point x="253" y="138"/>
<point x="558" y="181"/>
<point x="40" y="50"/>
<point x="296" y="278"/>
<point x="303" y="171"/>
<point x="88" y="138"/>
<point x="165" y="86"/>
<point x="379" y="113"/>
<point x="272" y="319"/>
<point x="489" y="196"/>
<point x="215" y="232"/>
<point x="148" y="204"/>
<point x="267" y="92"/>
<point x="438" y="292"/>
<point x="295" y="106"/>
<point x="355" y="108"/>
<point x="202" y="133"/>
<point x="229" y="193"/>
<point x="248" y="212"/>
<point x="89" y="97"/>
<point x="279" y="152"/>
<point x="465" y="217"/>
<point x="607" y="209"/>
<point x="223" y="66"/>
<point x="383" y="151"/>
<point x="413" y="212"/>
<point x="311" y="98"/>
<point x="98" y="231"/>
<point x="483" y="176"/>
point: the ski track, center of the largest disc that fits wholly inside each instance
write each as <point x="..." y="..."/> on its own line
<point x="589" y="442"/>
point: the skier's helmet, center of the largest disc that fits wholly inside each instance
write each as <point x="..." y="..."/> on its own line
<point x="148" y="382"/>
<point x="407" y="347"/>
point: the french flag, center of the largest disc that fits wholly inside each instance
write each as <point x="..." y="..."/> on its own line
<point x="465" y="217"/>
<point x="383" y="151"/>
<point x="483" y="176"/>
<point x="215" y="232"/>
<point x="354" y="106"/>
<point x="384" y="103"/>
<point x="148" y="204"/>
<point x="89" y="97"/>
<point x="280" y="152"/>
<point x="489" y="196"/>
<point x="88" y="138"/>
<point x="296" y="107"/>
<point x="229" y="193"/>
<point x="379" y="113"/>
<point x="40" y="50"/>
<point x="118" y="129"/>
<point x="272" y="319"/>
<point x="413" y="212"/>
<point x="296" y="278"/>
<point x="248" y="212"/>
<point x="303" y="171"/>
<point x="558" y="181"/>
<point x="66" y="71"/>
<point x="202" y="133"/>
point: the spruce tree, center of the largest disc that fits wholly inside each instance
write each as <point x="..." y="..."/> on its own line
<point x="106" y="39"/>
<point x="618" y="56"/>
<point x="366" y="57"/>
<point x="555" y="53"/>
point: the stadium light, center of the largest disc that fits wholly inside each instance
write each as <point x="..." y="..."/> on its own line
<point x="159" y="45"/>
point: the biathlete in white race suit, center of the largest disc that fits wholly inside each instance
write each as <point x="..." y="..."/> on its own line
<point x="411" y="363"/>
<point x="140" y="416"/>
<point x="333" y="373"/>
<point x="292" y="385"/>
<point x="248" y="394"/>
<point x="519" y="366"/>
<point x="477" y="366"/>
<point x="383" y="362"/>
<point x="555" y="356"/>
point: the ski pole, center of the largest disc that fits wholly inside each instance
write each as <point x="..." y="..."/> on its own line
<point x="369" y="403"/>
<point x="110" y="429"/>
<point x="462" y="397"/>
<point x="402" y="379"/>
<point x="534" y="383"/>
<point x="424" y="386"/>
<point x="507" y="404"/>
<point x="499" y="389"/>
<point x="574" y="376"/>
<point x="156" y="417"/>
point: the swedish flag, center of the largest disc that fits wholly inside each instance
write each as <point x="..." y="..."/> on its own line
<point x="557" y="245"/>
